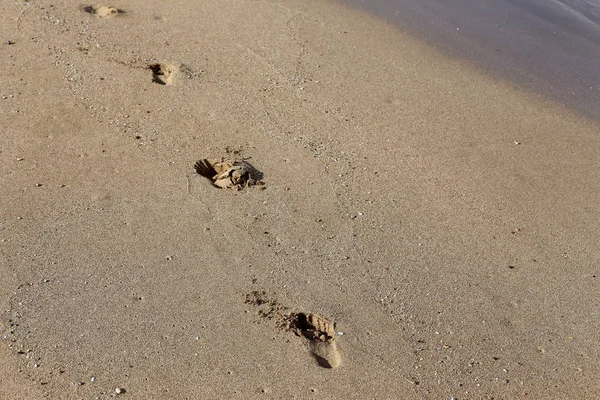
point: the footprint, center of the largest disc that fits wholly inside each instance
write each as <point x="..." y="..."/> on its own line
<point x="321" y="335"/>
<point x="103" y="11"/>
<point x="229" y="174"/>
<point x="163" y="73"/>
<point x="319" y="331"/>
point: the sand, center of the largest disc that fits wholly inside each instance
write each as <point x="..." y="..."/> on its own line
<point x="445" y="222"/>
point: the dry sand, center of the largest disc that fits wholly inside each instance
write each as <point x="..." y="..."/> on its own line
<point x="447" y="222"/>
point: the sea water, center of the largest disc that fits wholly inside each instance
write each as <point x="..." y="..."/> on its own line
<point x="547" y="46"/>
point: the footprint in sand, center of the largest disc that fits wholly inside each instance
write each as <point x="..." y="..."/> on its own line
<point x="103" y="11"/>
<point x="319" y="331"/>
<point x="229" y="174"/>
<point x="163" y="73"/>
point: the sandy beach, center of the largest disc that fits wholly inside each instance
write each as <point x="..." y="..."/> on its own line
<point x="419" y="229"/>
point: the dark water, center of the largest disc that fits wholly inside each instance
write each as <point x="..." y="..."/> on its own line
<point x="549" y="46"/>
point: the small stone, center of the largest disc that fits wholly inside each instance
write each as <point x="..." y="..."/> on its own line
<point x="93" y="379"/>
<point x="9" y="42"/>
<point x="120" y="390"/>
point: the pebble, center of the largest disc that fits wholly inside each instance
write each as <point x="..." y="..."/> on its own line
<point x="93" y="379"/>
<point x="9" y="42"/>
<point x="119" y="390"/>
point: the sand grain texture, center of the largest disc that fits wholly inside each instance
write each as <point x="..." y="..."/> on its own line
<point x="455" y="262"/>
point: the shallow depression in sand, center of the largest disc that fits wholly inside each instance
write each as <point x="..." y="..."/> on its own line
<point x="163" y="73"/>
<point x="103" y="11"/>
<point x="318" y="330"/>
<point x="229" y="174"/>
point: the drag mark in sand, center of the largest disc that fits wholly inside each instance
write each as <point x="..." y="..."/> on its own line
<point x="319" y="331"/>
<point x="103" y="11"/>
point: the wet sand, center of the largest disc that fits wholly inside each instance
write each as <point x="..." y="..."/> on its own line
<point x="547" y="47"/>
<point x="426" y="229"/>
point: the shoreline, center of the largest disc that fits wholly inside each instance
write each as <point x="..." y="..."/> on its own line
<point x="512" y="42"/>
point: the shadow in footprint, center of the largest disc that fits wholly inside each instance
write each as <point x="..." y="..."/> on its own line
<point x="103" y="11"/>
<point x="326" y="354"/>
